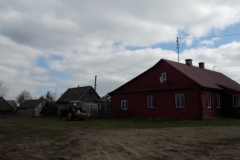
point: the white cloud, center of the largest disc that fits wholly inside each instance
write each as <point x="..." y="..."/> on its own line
<point x="207" y="43"/>
<point x="225" y="55"/>
<point x="91" y="39"/>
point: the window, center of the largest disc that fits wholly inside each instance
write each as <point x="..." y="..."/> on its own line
<point x="124" y="104"/>
<point x="93" y="107"/>
<point x="236" y="100"/>
<point x="150" y="101"/>
<point x="180" y="100"/>
<point x="218" y="101"/>
<point x="164" y="76"/>
<point x="209" y="101"/>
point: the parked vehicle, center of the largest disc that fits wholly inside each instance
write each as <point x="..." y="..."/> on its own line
<point x="73" y="110"/>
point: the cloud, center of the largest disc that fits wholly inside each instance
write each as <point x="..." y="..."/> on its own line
<point x="226" y="55"/>
<point x="77" y="40"/>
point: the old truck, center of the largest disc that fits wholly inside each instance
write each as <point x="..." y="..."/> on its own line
<point x="73" y="110"/>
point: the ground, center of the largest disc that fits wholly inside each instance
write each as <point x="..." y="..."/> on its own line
<point x="166" y="143"/>
<point x="90" y="143"/>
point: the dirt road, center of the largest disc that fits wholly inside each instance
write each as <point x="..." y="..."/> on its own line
<point x="167" y="143"/>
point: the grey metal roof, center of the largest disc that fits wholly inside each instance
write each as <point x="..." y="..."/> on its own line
<point x="12" y="103"/>
<point x="74" y="94"/>
<point x="30" y="103"/>
<point x="106" y="97"/>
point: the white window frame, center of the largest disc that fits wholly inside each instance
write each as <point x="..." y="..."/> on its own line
<point x="237" y="103"/>
<point x="180" y="96"/>
<point x="209" y="100"/>
<point x="164" y="76"/>
<point x="218" y="101"/>
<point x="124" y="104"/>
<point x="150" y="101"/>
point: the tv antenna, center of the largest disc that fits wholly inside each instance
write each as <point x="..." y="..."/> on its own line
<point x="178" y="48"/>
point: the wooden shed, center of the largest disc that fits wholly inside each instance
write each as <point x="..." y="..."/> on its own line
<point x="86" y="94"/>
<point x="31" y="108"/>
<point x="7" y="107"/>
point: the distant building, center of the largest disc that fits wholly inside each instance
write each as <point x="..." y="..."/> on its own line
<point x="31" y="108"/>
<point x="7" y="107"/>
<point x="86" y="94"/>
<point x="104" y="105"/>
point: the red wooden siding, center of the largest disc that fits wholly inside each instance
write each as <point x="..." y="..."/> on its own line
<point x="164" y="105"/>
<point x="213" y="111"/>
<point x="150" y="79"/>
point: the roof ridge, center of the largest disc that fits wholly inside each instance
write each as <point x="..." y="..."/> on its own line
<point x="205" y="77"/>
<point x="205" y="69"/>
<point x="79" y="87"/>
<point x="84" y="93"/>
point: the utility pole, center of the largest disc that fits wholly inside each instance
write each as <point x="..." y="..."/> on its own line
<point x="178" y="48"/>
<point x="95" y="83"/>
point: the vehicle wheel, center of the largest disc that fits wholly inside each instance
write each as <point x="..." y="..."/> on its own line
<point x="70" y="115"/>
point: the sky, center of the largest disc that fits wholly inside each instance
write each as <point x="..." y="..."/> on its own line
<point x="57" y="44"/>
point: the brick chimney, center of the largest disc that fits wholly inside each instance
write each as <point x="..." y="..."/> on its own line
<point x="188" y="62"/>
<point x="201" y="65"/>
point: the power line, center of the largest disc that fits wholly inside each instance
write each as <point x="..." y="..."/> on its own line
<point x="227" y="35"/>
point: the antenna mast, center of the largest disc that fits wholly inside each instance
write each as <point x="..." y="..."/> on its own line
<point x="95" y="83"/>
<point x="178" y="48"/>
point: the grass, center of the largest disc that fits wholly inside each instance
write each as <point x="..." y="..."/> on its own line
<point x="51" y="128"/>
<point x="30" y="124"/>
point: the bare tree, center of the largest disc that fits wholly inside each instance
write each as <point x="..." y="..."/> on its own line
<point x="4" y="89"/>
<point x="50" y="96"/>
<point x="23" y="96"/>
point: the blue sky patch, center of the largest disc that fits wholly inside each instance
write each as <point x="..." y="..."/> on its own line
<point x="133" y="48"/>
<point x="56" y="57"/>
<point x="165" y="46"/>
<point x="41" y="62"/>
<point x="61" y="75"/>
<point x="117" y="44"/>
<point x="229" y="35"/>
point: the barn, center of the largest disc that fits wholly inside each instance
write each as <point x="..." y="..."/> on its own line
<point x="86" y="94"/>
<point x="31" y="108"/>
<point x="175" y="90"/>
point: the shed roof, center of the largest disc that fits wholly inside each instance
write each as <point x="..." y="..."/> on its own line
<point x="12" y="103"/>
<point x="105" y="98"/>
<point x="30" y="103"/>
<point x="74" y="94"/>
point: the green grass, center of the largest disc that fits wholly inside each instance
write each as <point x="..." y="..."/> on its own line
<point x="33" y="123"/>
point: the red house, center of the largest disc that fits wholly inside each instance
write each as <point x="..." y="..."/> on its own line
<point x="175" y="90"/>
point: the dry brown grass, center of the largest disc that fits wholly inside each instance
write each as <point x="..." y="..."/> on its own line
<point x="119" y="139"/>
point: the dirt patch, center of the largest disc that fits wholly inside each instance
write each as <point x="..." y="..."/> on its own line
<point x="154" y="144"/>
